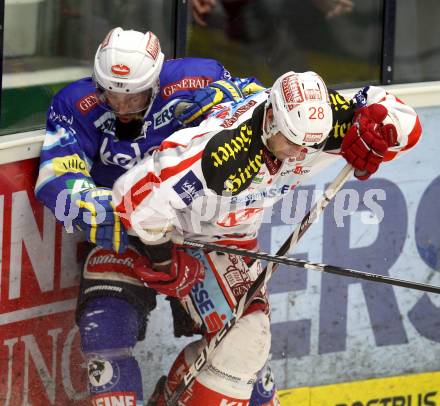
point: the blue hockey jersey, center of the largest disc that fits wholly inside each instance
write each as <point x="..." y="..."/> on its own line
<point x="81" y="149"/>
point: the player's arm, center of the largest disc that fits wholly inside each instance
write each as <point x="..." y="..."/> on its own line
<point x="383" y="127"/>
<point x="147" y="198"/>
<point x="65" y="163"/>
<point x="191" y="111"/>
<point x="373" y="127"/>
<point x="65" y="184"/>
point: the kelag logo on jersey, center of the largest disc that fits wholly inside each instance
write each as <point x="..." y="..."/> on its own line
<point x="188" y="187"/>
<point x="232" y="158"/>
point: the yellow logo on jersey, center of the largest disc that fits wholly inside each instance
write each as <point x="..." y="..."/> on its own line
<point x="232" y="158"/>
<point x="69" y="163"/>
<point x="237" y="179"/>
<point x="233" y="147"/>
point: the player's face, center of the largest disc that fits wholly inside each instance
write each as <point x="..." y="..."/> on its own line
<point x="278" y="144"/>
<point x="127" y="107"/>
<point x="282" y="148"/>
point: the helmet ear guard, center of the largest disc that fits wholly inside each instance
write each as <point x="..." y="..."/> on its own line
<point x="301" y="109"/>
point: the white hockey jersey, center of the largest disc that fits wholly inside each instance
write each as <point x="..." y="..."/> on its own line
<point x="213" y="182"/>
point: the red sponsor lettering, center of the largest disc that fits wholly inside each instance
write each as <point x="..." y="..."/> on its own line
<point x="153" y="46"/>
<point x="313" y="137"/>
<point x="214" y="322"/>
<point x="87" y="103"/>
<point x="220" y="111"/>
<point x="102" y="260"/>
<point x="222" y="114"/>
<point x="186" y="83"/>
<point x="234" y="218"/>
<point x="291" y="91"/>
<point x="120" y="69"/>
<point x="115" y="399"/>
<point x="240" y="111"/>
<point x="39" y="287"/>
<point x="313" y="94"/>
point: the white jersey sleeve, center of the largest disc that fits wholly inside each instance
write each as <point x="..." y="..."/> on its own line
<point x="148" y="196"/>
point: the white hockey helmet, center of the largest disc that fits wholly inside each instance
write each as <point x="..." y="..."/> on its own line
<point x="128" y="62"/>
<point x="301" y="109"/>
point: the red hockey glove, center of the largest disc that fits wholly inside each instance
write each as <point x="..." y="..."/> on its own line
<point x="177" y="281"/>
<point x="366" y="142"/>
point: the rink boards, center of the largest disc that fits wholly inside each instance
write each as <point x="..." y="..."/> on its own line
<point x="412" y="390"/>
<point x="327" y="330"/>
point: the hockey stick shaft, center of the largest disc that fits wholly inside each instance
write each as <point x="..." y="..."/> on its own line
<point x="316" y="211"/>
<point x="278" y="259"/>
<point x="204" y="356"/>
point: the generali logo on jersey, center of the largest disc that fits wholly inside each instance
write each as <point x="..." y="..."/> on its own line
<point x="186" y="83"/>
<point x="120" y="70"/>
<point x="87" y="103"/>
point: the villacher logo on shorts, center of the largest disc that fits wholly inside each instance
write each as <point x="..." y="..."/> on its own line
<point x="103" y="374"/>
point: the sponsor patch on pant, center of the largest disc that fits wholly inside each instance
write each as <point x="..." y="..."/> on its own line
<point x="115" y="399"/>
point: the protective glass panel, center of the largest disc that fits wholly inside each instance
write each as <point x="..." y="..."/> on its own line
<point x="49" y="43"/>
<point x="417" y="51"/>
<point x="340" y="39"/>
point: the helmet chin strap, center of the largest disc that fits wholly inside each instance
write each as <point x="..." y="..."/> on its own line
<point x="272" y="130"/>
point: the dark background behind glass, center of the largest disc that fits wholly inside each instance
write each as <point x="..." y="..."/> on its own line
<point x="417" y="54"/>
<point x="269" y="37"/>
<point x="262" y="38"/>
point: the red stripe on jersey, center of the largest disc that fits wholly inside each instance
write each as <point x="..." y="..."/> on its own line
<point x="174" y="170"/>
<point x="141" y="189"/>
<point x="171" y="144"/>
